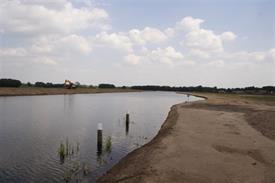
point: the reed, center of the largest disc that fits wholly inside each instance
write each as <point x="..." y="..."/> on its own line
<point x="61" y="151"/>
<point x="108" y="144"/>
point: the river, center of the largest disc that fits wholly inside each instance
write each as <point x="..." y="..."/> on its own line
<point x="33" y="130"/>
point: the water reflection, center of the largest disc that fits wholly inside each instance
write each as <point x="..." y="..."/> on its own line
<point x="127" y="121"/>
<point x="99" y="142"/>
<point x="103" y="153"/>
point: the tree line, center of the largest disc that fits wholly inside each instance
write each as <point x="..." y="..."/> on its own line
<point x="247" y="90"/>
<point x="10" y="83"/>
<point x="16" y="83"/>
<point x="252" y="89"/>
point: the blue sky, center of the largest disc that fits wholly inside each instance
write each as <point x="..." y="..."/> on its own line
<point x="252" y="19"/>
<point x="167" y="42"/>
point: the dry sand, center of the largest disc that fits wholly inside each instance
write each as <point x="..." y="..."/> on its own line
<point x="219" y="140"/>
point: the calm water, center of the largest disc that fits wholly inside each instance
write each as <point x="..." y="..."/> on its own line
<point x="33" y="127"/>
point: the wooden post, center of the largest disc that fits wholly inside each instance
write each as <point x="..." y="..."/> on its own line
<point x="99" y="138"/>
<point x="127" y="122"/>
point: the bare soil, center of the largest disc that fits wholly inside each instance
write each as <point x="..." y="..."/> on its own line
<point x="223" y="139"/>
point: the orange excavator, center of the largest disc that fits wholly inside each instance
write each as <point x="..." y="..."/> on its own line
<point x="69" y="85"/>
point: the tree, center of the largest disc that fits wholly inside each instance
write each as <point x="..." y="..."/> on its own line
<point x="103" y="85"/>
<point x="10" y="83"/>
<point x="39" y="84"/>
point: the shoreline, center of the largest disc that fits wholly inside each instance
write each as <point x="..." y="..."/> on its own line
<point x="169" y="122"/>
<point x="235" y="130"/>
<point x="10" y="92"/>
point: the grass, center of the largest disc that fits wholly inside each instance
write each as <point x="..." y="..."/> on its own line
<point x="261" y="98"/>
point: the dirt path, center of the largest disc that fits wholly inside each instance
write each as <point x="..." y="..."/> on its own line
<point x="220" y="140"/>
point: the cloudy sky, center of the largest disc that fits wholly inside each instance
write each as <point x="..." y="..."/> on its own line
<point x="224" y="43"/>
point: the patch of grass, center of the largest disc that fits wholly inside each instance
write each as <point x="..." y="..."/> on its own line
<point x="261" y="98"/>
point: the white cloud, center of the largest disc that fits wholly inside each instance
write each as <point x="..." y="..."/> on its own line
<point x="71" y="44"/>
<point x="198" y="38"/>
<point x="147" y="35"/>
<point x="204" y="40"/>
<point x="271" y="54"/>
<point x="25" y="56"/>
<point x="189" y="62"/>
<point x="35" y="17"/>
<point x="52" y="4"/>
<point x="244" y="56"/>
<point x="12" y="52"/>
<point x="167" y="55"/>
<point x="46" y="61"/>
<point x="228" y="36"/>
<point x="74" y="43"/>
<point x="170" y="32"/>
<point x="114" y="40"/>
<point x="49" y="50"/>
<point x="132" y="59"/>
<point x="199" y="53"/>
<point x="216" y="63"/>
<point x="189" y="24"/>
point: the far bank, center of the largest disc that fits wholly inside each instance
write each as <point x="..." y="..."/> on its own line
<point x="5" y="91"/>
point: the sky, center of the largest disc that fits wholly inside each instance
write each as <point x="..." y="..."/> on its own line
<point x="223" y="43"/>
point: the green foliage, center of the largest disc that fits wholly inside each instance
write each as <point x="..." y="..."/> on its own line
<point x="247" y="90"/>
<point x="10" y="83"/>
<point x="48" y="85"/>
<point x="106" y="85"/>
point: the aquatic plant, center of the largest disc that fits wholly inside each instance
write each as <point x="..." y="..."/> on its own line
<point x="67" y="147"/>
<point x="61" y="151"/>
<point x="85" y="169"/>
<point x="67" y="176"/>
<point x="77" y="146"/>
<point x="108" y="144"/>
<point x="75" y="170"/>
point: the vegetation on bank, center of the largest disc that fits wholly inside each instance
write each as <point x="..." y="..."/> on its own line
<point x="247" y="90"/>
<point x="16" y="83"/>
<point x="261" y="98"/>
<point x="265" y="90"/>
<point x="10" y="83"/>
<point x="106" y="86"/>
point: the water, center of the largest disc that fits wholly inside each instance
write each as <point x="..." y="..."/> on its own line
<point x="32" y="128"/>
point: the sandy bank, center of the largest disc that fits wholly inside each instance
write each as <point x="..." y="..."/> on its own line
<point x="56" y="91"/>
<point x="220" y="140"/>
